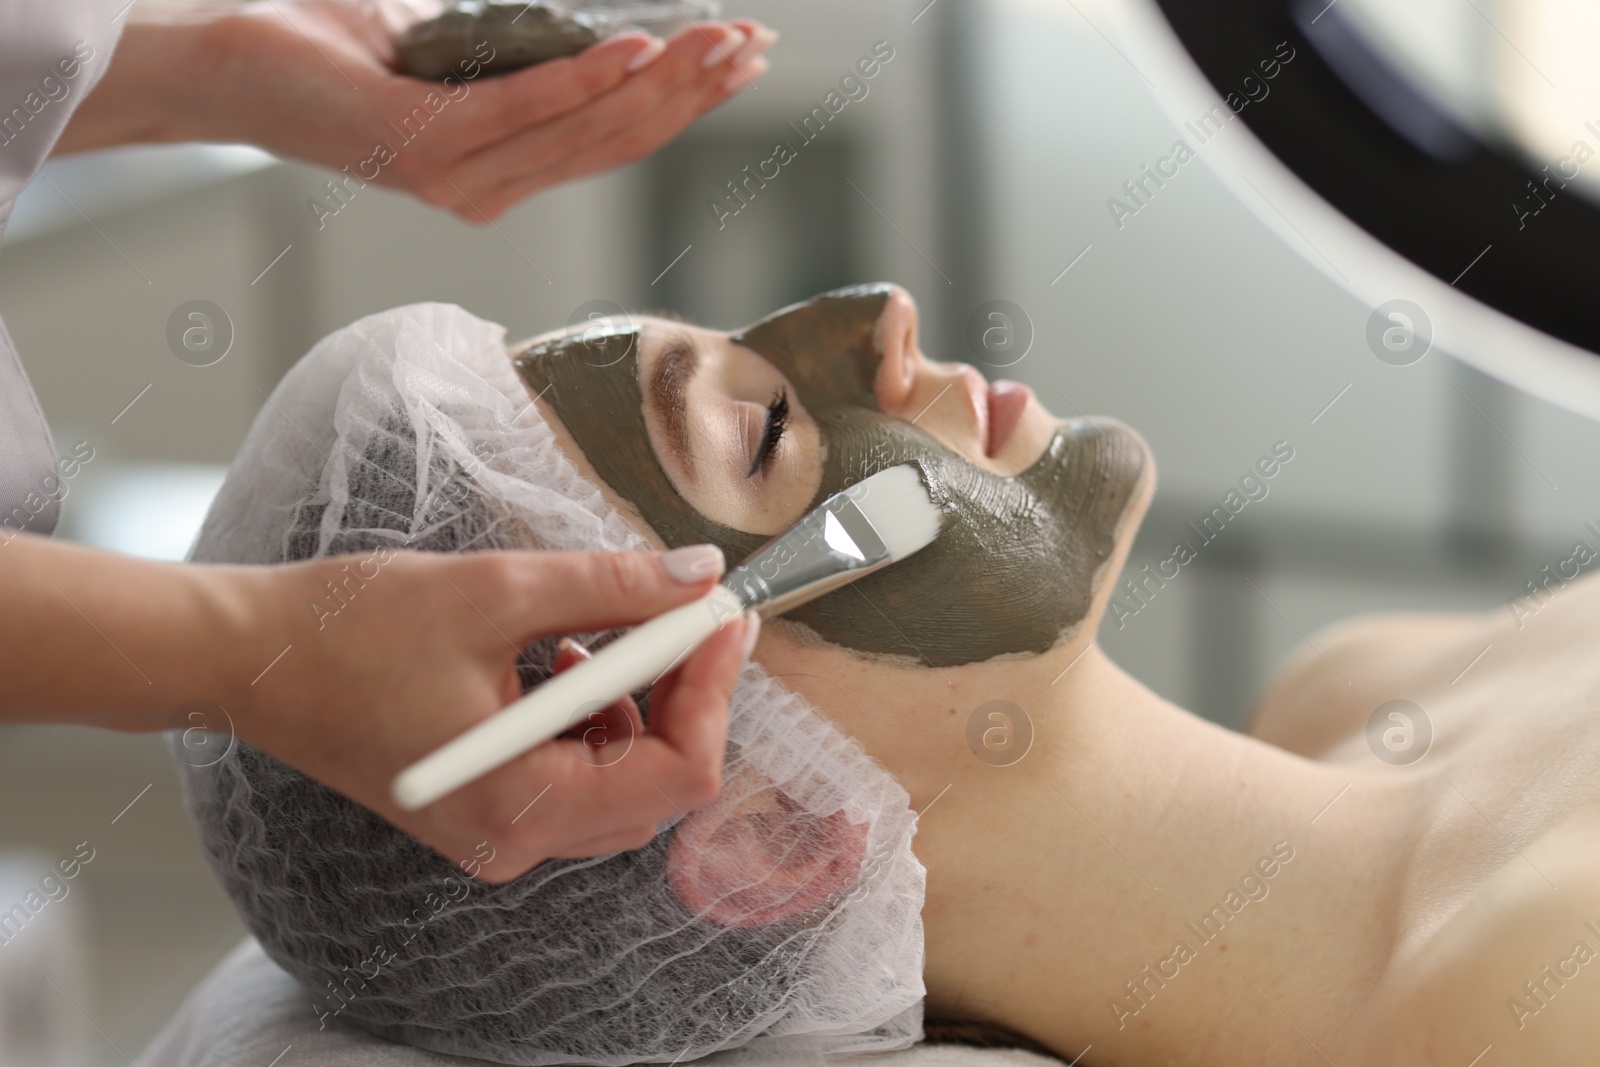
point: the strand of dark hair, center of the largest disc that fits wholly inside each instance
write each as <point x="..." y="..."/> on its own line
<point x="977" y="1034"/>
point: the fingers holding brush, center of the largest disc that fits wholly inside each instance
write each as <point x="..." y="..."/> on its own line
<point x="598" y="788"/>
<point x="605" y="733"/>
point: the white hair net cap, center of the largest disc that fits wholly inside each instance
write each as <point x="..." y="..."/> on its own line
<point x="784" y="918"/>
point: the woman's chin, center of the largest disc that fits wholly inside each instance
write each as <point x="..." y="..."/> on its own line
<point x="1129" y="443"/>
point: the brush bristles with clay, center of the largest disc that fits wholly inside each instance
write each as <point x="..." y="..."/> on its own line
<point x="898" y="505"/>
<point x="872" y="524"/>
<point x="876" y="522"/>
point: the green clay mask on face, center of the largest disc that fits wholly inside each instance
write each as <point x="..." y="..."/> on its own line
<point x="1013" y="569"/>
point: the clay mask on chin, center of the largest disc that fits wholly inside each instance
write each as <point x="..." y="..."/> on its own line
<point x="1015" y="565"/>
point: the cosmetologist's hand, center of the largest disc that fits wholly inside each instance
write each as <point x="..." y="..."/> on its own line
<point x="427" y="647"/>
<point x="315" y="80"/>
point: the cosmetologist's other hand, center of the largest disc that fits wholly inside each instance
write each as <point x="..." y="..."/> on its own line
<point x="316" y="80"/>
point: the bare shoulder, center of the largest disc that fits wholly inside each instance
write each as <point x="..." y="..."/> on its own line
<point x="1516" y="969"/>
<point x="1326" y="690"/>
<point x="1328" y="687"/>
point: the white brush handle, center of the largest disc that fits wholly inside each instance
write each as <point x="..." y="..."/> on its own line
<point x="635" y="659"/>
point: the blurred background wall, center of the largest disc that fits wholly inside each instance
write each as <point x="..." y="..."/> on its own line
<point x="977" y="169"/>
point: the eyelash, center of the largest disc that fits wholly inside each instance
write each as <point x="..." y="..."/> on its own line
<point x="777" y="422"/>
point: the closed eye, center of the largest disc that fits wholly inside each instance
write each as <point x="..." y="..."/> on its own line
<point x="777" y="421"/>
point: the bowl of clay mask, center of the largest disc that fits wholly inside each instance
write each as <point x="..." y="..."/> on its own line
<point x="471" y="38"/>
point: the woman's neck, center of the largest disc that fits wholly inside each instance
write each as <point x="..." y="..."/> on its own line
<point x="1150" y="883"/>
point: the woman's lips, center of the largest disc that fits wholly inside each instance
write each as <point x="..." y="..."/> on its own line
<point x="1007" y="402"/>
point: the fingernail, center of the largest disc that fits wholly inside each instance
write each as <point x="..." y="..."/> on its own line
<point x="756" y="45"/>
<point x="743" y="76"/>
<point x="752" y="631"/>
<point x="694" y="563"/>
<point x="723" y="49"/>
<point x="646" y="55"/>
<point x="569" y="654"/>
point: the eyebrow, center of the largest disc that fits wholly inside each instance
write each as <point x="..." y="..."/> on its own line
<point x="669" y="386"/>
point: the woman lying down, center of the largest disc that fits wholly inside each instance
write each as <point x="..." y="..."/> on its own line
<point x="1125" y="884"/>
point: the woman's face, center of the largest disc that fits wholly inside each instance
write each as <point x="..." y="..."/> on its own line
<point x="730" y="437"/>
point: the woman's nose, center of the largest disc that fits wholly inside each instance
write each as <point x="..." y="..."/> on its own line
<point x="896" y="335"/>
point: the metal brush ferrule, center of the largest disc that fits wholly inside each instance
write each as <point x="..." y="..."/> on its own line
<point x="833" y="545"/>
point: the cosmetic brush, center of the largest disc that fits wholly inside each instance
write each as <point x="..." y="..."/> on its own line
<point x="878" y="521"/>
